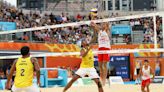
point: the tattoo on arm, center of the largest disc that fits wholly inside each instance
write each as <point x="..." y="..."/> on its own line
<point x="36" y="67"/>
<point x="36" y="64"/>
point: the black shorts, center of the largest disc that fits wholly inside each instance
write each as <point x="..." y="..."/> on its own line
<point x="138" y="71"/>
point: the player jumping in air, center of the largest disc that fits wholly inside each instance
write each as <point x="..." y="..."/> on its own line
<point x="104" y="44"/>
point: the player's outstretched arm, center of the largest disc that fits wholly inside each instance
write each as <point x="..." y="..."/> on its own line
<point x="8" y="84"/>
<point x="107" y="28"/>
<point x="94" y="38"/>
<point x="37" y="69"/>
<point x="95" y="27"/>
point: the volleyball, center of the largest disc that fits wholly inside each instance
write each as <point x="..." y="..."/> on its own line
<point x="93" y="12"/>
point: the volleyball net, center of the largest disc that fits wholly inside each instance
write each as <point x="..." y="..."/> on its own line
<point x="123" y="28"/>
<point x="55" y="54"/>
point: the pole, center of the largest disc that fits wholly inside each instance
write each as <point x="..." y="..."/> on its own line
<point x="44" y="62"/>
<point x="163" y="28"/>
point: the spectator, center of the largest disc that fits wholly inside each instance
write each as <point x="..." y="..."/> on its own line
<point x="64" y="18"/>
<point x="88" y="38"/>
<point x="25" y="37"/>
<point x="4" y="70"/>
<point x="112" y="15"/>
<point x="138" y="67"/>
<point x="132" y="23"/>
<point x="79" y="17"/>
<point x="157" y="68"/>
<point x="137" y="22"/>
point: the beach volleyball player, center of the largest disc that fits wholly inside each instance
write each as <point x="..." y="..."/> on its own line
<point x="86" y="67"/>
<point x="145" y="73"/>
<point x="103" y="44"/>
<point x="24" y="67"/>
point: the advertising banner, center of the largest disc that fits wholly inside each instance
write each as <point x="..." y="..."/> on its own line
<point x="6" y="26"/>
<point x="121" y="65"/>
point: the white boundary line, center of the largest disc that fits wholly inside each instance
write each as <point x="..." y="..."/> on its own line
<point x="83" y="22"/>
<point x="78" y="53"/>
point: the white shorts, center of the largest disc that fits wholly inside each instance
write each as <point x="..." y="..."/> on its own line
<point x="32" y="88"/>
<point x="91" y="72"/>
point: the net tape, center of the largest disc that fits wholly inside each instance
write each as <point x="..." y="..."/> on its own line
<point x="121" y="51"/>
<point x="84" y="22"/>
<point x="18" y="52"/>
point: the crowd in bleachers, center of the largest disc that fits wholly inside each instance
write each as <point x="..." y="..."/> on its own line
<point x="33" y="19"/>
<point x="147" y="25"/>
<point x="65" y="34"/>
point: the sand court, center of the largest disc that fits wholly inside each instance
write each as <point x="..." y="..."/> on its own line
<point x="112" y="88"/>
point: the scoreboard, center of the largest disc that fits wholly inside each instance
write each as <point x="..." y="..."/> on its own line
<point x="121" y="64"/>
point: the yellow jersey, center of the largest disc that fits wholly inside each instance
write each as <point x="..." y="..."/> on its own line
<point x="88" y="60"/>
<point x="24" y="72"/>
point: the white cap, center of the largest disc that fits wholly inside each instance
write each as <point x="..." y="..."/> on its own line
<point x="93" y="10"/>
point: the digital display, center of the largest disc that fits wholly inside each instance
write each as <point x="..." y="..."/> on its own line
<point x="121" y="64"/>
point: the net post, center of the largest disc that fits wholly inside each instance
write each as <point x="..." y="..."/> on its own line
<point x="155" y="31"/>
<point x="162" y="15"/>
<point x="44" y="62"/>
